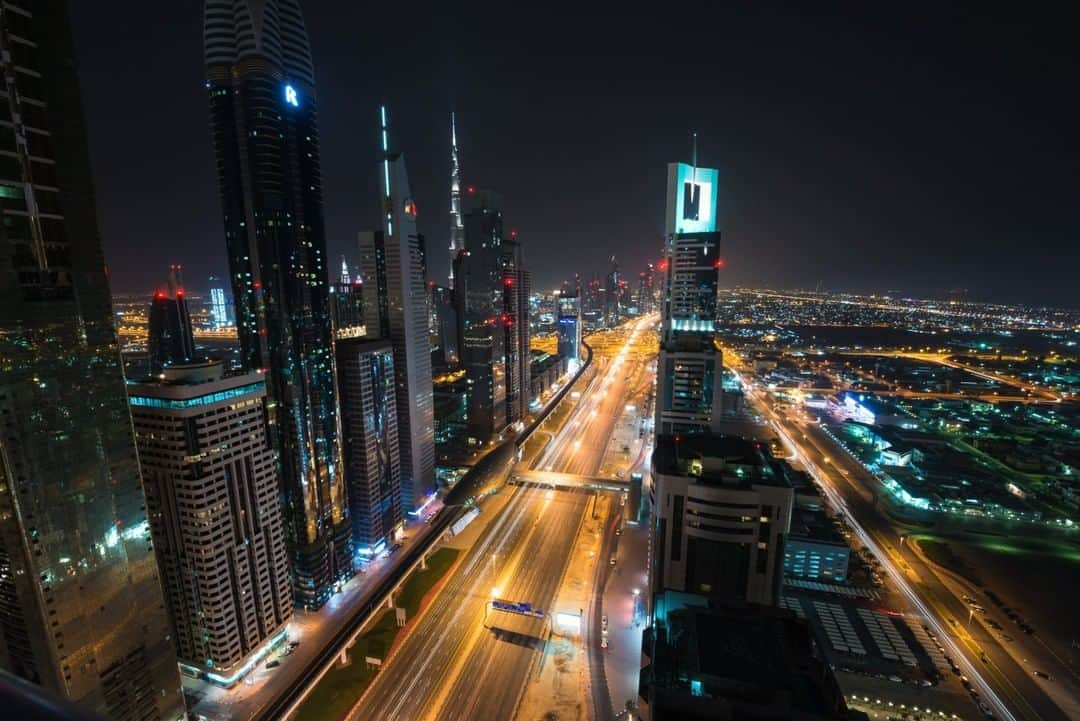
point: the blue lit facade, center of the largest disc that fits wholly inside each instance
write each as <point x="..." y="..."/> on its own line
<point x="263" y="107"/>
<point x="569" y="328"/>
<point x="816" y="560"/>
<point x="370" y="442"/>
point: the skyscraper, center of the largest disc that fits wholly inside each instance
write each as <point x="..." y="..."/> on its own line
<point x="482" y="291"/>
<point x="611" y="295"/>
<point x="569" y="329"/>
<point x="721" y="513"/>
<point x="261" y="88"/>
<point x="211" y="483"/>
<point x="370" y="445"/>
<point x="171" y="340"/>
<point x="690" y="365"/>
<point x="442" y="300"/>
<point x="392" y="266"/>
<point x="219" y="310"/>
<point x="515" y="322"/>
<point x="81" y="607"/>
<point x="457" y="227"/>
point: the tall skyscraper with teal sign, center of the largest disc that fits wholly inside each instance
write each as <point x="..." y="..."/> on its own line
<point x="690" y="365"/>
<point x="263" y="107"/>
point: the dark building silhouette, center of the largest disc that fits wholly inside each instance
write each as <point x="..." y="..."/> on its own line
<point x="263" y="108"/>
<point x="480" y="288"/>
<point x="170" y="341"/>
<point x="515" y="318"/>
<point x="370" y="444"/>
<point x="725" y="662"/>
<point x="491" y="292"/>
<point x="81" y="607"/>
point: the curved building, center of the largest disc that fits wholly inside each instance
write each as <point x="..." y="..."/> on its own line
<point x="263" y="107"/>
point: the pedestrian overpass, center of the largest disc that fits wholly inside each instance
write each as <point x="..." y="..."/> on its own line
<point x="568" y="481"/>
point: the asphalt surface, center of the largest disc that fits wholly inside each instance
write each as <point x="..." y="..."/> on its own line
<point x="462" y="660"/>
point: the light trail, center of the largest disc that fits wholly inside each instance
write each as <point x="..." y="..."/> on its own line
<point x="940" y="628"/>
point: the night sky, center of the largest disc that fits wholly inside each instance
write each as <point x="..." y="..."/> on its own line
<point x="914" y="147"/>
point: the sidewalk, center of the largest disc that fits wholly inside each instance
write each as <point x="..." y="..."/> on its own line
<point x="562" y="685"/>
<point x="313" y="629"/>
<point x="625" y="610"/>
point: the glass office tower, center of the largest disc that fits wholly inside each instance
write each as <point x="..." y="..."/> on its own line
<point x="81" y="607"/>
<point x="261" y="87"/>
<point x="171" y="339"/>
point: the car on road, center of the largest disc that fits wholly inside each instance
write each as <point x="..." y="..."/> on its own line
<point x="603" y="622"/>
<point x="1043" y="675"/>
<point x="273" y="664"/>
<point x="611" y="561"/>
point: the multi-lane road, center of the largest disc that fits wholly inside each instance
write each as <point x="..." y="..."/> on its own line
<point x="457" y="660"/>
<point x="1005" y="688"/>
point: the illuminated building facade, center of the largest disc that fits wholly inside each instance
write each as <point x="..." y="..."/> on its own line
<point x="481" y="288"/>
<point x="515" y="321"/>
<point x="370" y="446"/>
<point x="392" y="265"/>
<point x="219" y="309"/>
<point x="347" y="309"/>
<point x="457" y="227"/>
<point x="261" y="88"/>
<point x="81" y="607"/>
<point x="211" y="485"/>
<point x="690" y="366"/>
<point x="721" y="517"/>
<point x="569" y="328"/>
<point x="171" y="340"/>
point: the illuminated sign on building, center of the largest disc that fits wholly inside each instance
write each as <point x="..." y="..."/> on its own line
<point x="291" y="97"/>
<point x="691" y="206"/>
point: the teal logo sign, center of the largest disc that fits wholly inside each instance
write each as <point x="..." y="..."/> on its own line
<point x="692" y="199"/>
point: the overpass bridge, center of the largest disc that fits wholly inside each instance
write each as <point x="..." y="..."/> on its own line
<point x="568" y="481"/>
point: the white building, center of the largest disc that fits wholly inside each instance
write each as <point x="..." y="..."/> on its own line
<point x="721" y="513"/>
<point x="212" y="493"/>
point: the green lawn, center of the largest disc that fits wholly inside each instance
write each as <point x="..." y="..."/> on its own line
<point x="943" y="555"/>
<point x="342" y="686"/>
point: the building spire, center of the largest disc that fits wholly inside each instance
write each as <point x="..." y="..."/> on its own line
<point x="457" y="227"/>
<point x="693" y="152"/>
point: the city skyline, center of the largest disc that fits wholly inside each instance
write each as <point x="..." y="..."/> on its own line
<point x="818" y="173"/>
<point x="323" y="486"/>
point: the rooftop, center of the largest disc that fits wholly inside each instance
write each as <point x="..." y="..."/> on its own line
<point x="716" y="459"/>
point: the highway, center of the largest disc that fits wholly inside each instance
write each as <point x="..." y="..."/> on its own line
<point x="1008" y="690"/>
<point x="456" y="660"/>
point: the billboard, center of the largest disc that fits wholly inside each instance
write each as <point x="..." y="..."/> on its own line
<point x="691" y="199"/>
